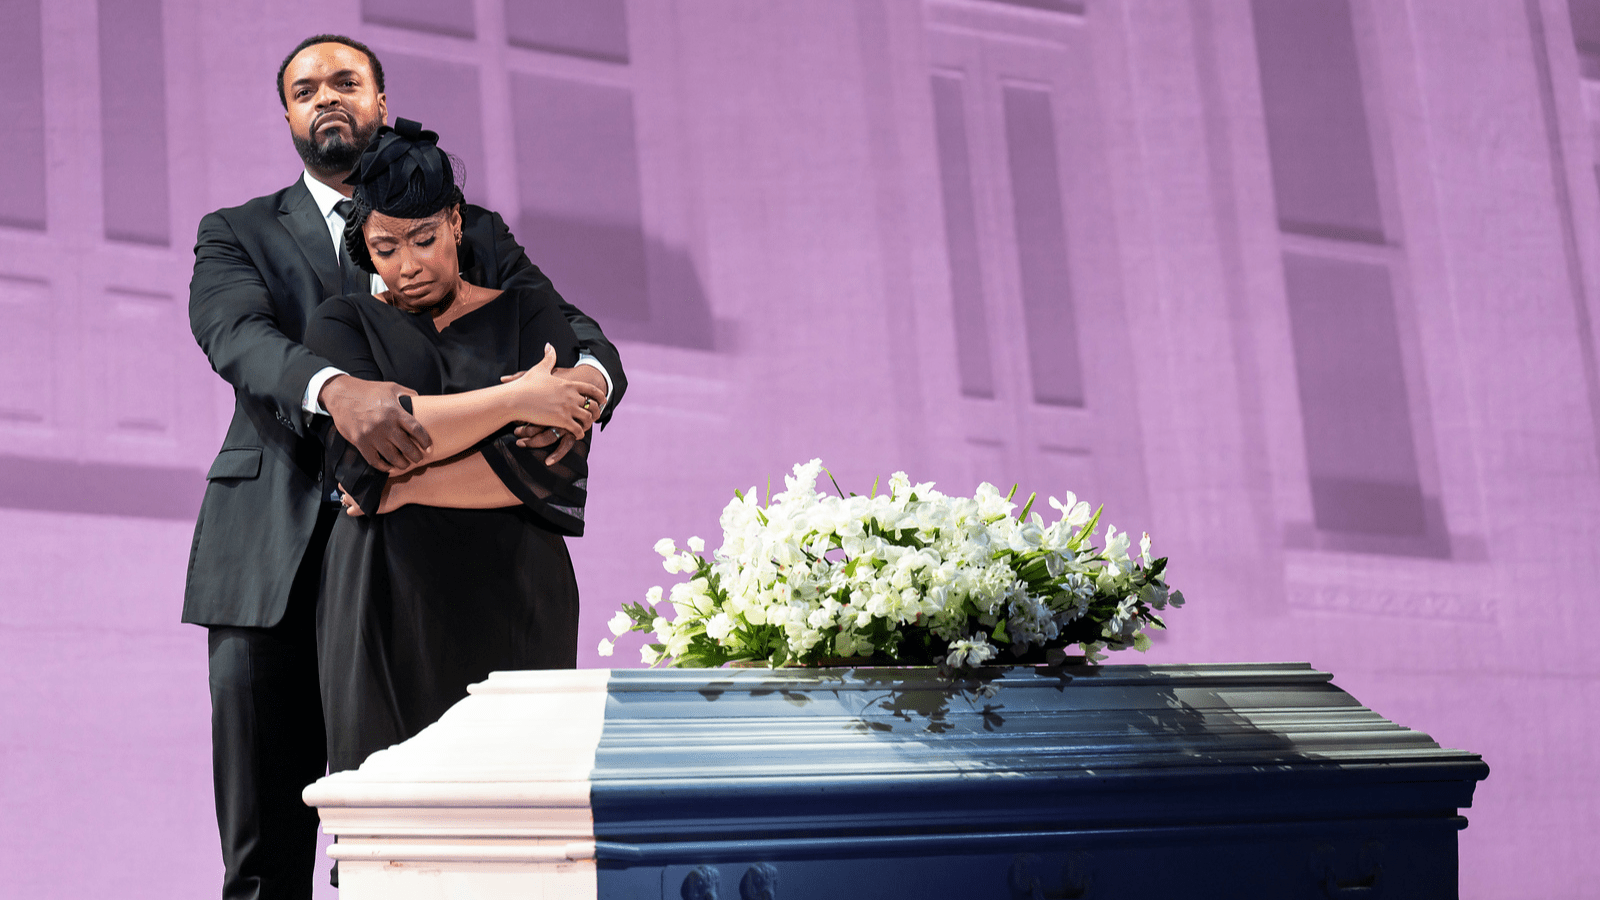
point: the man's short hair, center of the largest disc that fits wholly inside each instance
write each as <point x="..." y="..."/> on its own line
<point x="377" y="67"/>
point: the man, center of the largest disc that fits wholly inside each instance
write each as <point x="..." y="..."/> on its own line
<point x="260" y="270"/>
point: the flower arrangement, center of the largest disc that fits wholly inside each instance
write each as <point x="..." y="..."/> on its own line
<point x="907" y="577"/>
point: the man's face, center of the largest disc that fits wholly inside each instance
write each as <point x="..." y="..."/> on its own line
<point x="333" y="105"/>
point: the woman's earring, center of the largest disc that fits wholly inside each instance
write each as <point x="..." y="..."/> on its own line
<point x="458" y="237"/>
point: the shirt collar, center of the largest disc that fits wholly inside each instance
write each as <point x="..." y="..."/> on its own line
<point x="325" y="196"/>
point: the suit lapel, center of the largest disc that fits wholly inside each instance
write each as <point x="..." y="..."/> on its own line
<point x="300" y="217"/>
<point x="472" y="267"/>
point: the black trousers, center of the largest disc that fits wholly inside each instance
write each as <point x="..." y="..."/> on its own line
<point x="268" y="741"/>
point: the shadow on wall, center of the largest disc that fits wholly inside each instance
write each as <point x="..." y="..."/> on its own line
<point x="107" y="489"/>
<point x="636" y="286"/>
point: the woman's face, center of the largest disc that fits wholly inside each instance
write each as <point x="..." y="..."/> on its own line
<point x="416" y="257"/>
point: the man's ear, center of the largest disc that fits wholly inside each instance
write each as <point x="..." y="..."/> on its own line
<point x="383" y="109"/>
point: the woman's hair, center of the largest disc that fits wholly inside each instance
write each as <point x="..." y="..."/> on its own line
<point x="402" y="173"/>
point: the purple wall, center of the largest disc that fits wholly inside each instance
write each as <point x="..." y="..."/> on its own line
<point x="1305" y="289"/>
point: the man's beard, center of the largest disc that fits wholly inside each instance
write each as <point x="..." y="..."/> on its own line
<point x="335" y="153"/>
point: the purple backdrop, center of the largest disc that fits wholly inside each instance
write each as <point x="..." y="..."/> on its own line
<point x="1303" y="288"/>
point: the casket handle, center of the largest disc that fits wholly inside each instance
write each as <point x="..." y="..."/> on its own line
<point x="1075" y="878"/>
<point x="1361" y="880"/>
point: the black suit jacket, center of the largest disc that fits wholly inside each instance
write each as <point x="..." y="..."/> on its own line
<point x="259" y="271"/>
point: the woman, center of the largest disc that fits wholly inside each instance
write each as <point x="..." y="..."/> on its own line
<point x="457" y="567"/>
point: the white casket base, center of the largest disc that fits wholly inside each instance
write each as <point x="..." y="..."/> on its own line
<point x="491" y="801"/>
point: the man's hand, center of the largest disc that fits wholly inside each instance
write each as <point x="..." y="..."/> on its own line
<point x="537" y="436"/>
<point x="369" y="415"/>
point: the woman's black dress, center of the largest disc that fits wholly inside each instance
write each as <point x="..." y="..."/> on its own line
<point x="423" y="601"/>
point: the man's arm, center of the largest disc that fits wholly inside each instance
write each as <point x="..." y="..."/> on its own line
<point x="516" y="270"/>
<point x="236" y="323"/>
<point x="233" y="319"/>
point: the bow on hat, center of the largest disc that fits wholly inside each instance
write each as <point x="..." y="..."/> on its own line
<point x="386" y="174"/>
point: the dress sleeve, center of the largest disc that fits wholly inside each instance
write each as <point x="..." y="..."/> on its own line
<point x="338" y="333"/>
<point x="555" y="494"/>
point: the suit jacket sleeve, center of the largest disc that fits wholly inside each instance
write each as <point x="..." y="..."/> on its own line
<point x="336" y="331"/>
<point x="235" y="322"/>
<point x="516" y="270"/>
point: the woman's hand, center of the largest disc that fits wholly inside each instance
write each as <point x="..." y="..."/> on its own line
<point x="543" y="398"/>
<point x="351" y="507"/>
<point x="394" y="496"/>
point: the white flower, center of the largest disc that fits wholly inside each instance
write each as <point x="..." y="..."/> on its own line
<point x="619" y="625"/>
<point x="1116" y="551"/>
<point x="649" y="655"/>
<point x="991" y="503"/>
<point x="607" y="648"/>
<point x="969" y="653"/>
<point x="802" y="483"/>
<point x="719" y="626"/>
<point x="821" y="572"/>
<point x="1074" y="512"/>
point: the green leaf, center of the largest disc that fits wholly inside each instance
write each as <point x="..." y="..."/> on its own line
<point x="999" y="632"/>
<point x="1087" y="531"/>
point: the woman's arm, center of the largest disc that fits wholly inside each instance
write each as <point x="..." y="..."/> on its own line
<point x="456" y="422"/>
<point x="463" y="482"/>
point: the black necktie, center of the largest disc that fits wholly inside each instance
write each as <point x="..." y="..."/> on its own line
<point x="354" y="281"/>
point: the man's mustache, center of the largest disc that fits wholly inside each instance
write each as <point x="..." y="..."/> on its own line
<point x="337" y="115"/>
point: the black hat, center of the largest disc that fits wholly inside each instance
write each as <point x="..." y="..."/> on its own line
<point x="402" y="173"/>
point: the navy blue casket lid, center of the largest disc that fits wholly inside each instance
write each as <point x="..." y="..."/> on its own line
<point x="805" y="770"/>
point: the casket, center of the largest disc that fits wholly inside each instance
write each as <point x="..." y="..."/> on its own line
<point x="1227" y="781"/>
